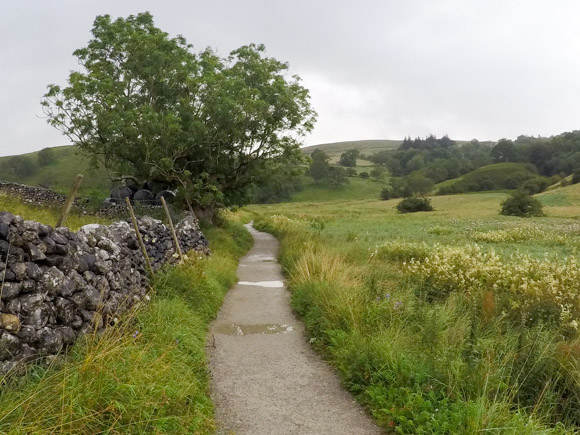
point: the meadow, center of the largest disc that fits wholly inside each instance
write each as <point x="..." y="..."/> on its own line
<point x="453" y="321"/>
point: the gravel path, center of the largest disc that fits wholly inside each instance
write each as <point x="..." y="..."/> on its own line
<point x="265" y="377"/>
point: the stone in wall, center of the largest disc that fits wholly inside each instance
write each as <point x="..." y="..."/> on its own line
<point x="59" y="284"/>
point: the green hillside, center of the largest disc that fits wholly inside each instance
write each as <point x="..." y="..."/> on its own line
<point x="490" y="177"/>
<point x="59" y="174"/>
<point x="563" y="202"/>
<point x="356" y="189"/>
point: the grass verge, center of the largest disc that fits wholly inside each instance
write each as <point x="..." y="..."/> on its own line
<point x="426" y="348"/>
<point x="148" y="373"/>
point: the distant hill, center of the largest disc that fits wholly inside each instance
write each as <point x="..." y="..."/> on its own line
<point x="364" y="146"/>
<point x="59" y="174"/>
<point x="490" y="177"/>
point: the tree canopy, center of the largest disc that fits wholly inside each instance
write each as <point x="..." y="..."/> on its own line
<point x="348" y="158"/>
<point x="147" y="105"/>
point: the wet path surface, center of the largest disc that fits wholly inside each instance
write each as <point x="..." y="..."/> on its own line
<point x="265" y="377"/>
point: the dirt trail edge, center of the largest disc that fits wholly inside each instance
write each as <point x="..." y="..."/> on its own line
<point x="265" y="377"/>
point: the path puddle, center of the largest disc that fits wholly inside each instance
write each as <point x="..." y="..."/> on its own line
<point x="269" y="284"/>
<point x="265" y="258"/>
<point x="268" y="328"/>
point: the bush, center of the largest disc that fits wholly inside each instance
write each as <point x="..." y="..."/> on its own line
<point x="513" y="183"/>
<point x="377" y="172"/>
<point x="351" y="172"/>
<point x="389" y="193"/>
<point x="487" y="184"/>
<point x="451" y="189"/>
<point x="395" y="189"/>
<point x="521" y="204"/>
<point x="576" y="177"/>
<point x="413" y="204"/>
<point x="535" y="185"/>
<point x="364" y="175"/>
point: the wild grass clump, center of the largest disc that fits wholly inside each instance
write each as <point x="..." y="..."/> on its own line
<point x="527" y="290"/>
<point x="520" y="233"/>
<point x="148" y="373"/>
<point x="440" y="339"/>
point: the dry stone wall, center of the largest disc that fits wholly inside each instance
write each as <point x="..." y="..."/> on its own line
<point x="32" y="195"/>
<point x="58" y="284"/>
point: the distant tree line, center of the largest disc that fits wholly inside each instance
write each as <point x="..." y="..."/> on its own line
<point x="556" y="155"/>
<point x="321" y="170"/>
<point x="439" y="159"/>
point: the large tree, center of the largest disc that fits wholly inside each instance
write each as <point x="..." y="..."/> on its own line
<point x="148" y="106"/>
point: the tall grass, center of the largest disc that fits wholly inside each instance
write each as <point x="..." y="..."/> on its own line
<point x="47" y="215"/>
<point x="426" y="355"/>
<point x="148" y="373"/>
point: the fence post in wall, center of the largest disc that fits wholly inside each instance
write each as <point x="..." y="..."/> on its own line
<point x="69" y="201"/>
<point x="139" y="238"/>
<point x="172" y="228"/>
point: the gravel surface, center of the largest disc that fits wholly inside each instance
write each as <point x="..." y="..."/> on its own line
<point x="265" y="377"/>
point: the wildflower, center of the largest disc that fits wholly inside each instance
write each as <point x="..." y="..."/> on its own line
<point x="388" y="296"/>
<point x="135" y="334"/>
<point x="398" y="305"/>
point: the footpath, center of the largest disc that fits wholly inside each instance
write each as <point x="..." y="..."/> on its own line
<point x="266" y="380"/>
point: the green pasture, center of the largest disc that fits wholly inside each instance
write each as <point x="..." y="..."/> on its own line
<point x="458" y="320"/>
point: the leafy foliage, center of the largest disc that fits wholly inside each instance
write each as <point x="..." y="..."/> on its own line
<point x="319" y="167"/>
<point x="414" y="204"/>
<point x="150" y="107"/>
<point x="521" y="204"/>
<point x="349" y="157"/>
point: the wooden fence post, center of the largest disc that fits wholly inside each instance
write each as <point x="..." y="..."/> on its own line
<point x="69" y="201"/>
<point x="139" y="238"/>
<point x="172" y="228"/>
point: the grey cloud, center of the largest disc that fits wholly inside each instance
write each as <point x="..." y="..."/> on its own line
<point x="376" y="69"/>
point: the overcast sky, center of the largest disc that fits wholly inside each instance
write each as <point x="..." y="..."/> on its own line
<point x="380" y="69"/>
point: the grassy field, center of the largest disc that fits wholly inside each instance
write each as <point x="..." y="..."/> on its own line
<point x="60" y="174"/>
<point x="357" y="188"/>
<point x="454" y="321"/>
<point x="146" y="374"/>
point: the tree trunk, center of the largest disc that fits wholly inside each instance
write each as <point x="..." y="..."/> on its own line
<point x="205" y="214"/>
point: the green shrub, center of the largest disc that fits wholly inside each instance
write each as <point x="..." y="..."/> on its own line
<point x="390" y="192"/>
<point x="451" y="189"/>
<point x="576" y="177"/>
<point x="364" y="175"/>
<point x="521" y="204"/>
<point x="487" y="184"/>
<point x="413" y="204"/>
<point x="535" y="185"/>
